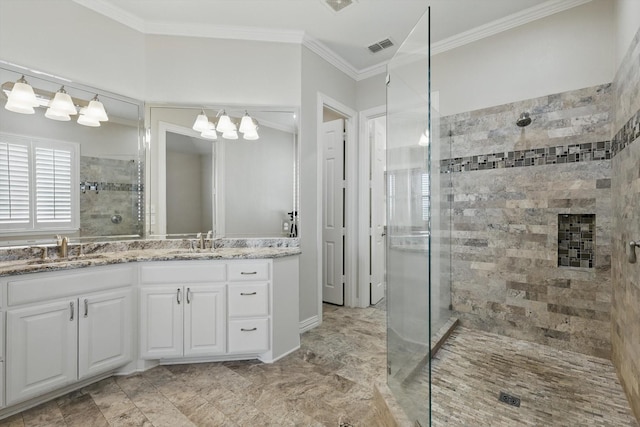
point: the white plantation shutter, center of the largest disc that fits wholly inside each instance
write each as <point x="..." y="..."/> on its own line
<point x="38" y="185"/>
<point x="53" y="182"/>
<point x="14" y="185"/>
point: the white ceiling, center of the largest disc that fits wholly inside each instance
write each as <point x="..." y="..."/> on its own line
<point x="343" y="36"/>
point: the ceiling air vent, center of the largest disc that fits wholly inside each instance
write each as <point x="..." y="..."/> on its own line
<point x="383" y="44"/>
<point x="338" y="5"/>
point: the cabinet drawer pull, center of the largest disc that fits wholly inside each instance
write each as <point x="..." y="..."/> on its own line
<point x="188" y="299"/>
<point x="178" y="296"/>
<point x="248" y="293"/>
<point x="248" y="272"/>
<point x="73" y="310"/>
<point x="248" y="330"/>
<point x="86" y="307"/>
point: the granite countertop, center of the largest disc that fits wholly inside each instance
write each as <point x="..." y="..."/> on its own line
<point x="36" y="265"/>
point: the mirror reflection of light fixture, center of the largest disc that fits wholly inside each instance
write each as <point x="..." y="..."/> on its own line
<point x="202" y="122"/>
<point x="424" y="138"/>
<point x="210" y="132"/>
<point x="22" y="99"/>
<point x="227" y="126"/>
<point x="86" y="120"/>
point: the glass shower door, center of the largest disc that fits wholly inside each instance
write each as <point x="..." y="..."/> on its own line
<point x="417" y="260"/>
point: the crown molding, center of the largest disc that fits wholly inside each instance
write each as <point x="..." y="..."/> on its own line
<point x="330" y="56"/>
<point x="107" y="9"/>
<point x="503" y="24"/>
<point x="371" y="71"/>
<point x="225" y="32"/>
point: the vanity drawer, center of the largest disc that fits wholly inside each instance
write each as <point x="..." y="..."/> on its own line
<point x="249" y="300"/>
<point x="248" y="271"/>
<point x="248" y="335"/>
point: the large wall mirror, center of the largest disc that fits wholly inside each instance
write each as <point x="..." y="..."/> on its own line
<point x="64" y="169"/>
<point x="239" y="185"/>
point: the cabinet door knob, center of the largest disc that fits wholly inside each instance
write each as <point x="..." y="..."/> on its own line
<point x="72" y="309"/>
<point x="178" y="296"/>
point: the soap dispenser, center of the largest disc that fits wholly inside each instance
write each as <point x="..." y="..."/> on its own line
<point x="286" y="225"/>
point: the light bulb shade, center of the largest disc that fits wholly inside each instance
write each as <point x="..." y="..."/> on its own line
<point x="19" y="108"/>
<point x="62" y="103"/>
<point x="225" y="124"/>
<point x="231" y="134"/>
<point x="247" y="124"/>
<point x="424" y="139"/>
<point x="202" y="123"/>
<point x="57" y="115"/>
<point x="22" y="95"/>
<point x="210" y="132"/>
<point x="96" y="110"/>
<point x="251" y="136"/>
<point x="85" y="120"/>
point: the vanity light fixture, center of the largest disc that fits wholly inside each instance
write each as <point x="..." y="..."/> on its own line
<point x="21" y="99"/>
<point x="226" y="126"/>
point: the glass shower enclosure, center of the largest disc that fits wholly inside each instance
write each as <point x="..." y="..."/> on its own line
<point x="418" y="260"/>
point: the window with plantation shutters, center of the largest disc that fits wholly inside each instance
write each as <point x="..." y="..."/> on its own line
<point x="38" y="181"/>
<point x="15" y="206"/>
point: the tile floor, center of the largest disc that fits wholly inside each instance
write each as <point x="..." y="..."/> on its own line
<point x="330" y="379"/>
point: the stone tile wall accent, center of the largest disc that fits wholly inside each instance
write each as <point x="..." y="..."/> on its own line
<point x="625" y="333"/>
<point x="576" y="243"/>
<point x="504" y="241"/>
<point x="110" y="188"/>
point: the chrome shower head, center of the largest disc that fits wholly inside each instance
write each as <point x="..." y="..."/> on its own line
<point x="524" y="120"/>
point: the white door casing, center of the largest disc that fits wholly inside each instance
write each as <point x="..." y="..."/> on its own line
<point x="104" y="332"/>
<point x="378" y="210"/>
<point x="333" y="212"/>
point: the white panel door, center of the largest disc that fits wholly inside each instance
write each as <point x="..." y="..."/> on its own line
<point x="161" y="309"/>
<point x="204" y="320"/>
<point x="378" y="209"/>
<point x="104" y="332"/>
<point x="333" y="212"/>
<point x="41" y="349"/>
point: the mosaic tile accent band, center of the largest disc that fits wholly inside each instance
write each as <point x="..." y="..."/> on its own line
<point x="572" y="153"/>
<point x="110" y="186"/>
<point x="576" y="240"/>
<point x="627" y="134"/>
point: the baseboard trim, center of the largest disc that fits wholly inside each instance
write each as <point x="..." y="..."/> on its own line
<point x="309" y="323"/>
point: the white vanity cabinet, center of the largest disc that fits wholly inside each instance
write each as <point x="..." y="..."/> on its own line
<point x="182" y="309"/>
<point x="57" y="336"/>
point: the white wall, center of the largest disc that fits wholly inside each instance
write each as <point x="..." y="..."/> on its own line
<point x="569" y="50"/>
<point x="627" y="23"/>
<point x="69" y="40"/>
<point x="317" y="76"/>
<point x="371" y="92"/>
<point x="221" y="72"/>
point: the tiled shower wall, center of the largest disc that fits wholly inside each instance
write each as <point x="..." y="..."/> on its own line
<point x="509" y="186"/>
<point x="626" y="224"/>
<point x="113" y="191"/>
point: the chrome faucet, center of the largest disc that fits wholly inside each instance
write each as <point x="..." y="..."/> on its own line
<point x="62" y="245"/>
<point x="200" y="238"/>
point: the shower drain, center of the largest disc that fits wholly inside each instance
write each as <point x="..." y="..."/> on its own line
<point x="509" y="399"/>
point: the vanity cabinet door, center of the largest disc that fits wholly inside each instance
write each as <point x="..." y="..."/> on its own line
<point x="104" y="335"/>
<point x="204" y="320"/>
<point x="161" y="326"/>
<point x="41" y="349"/>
